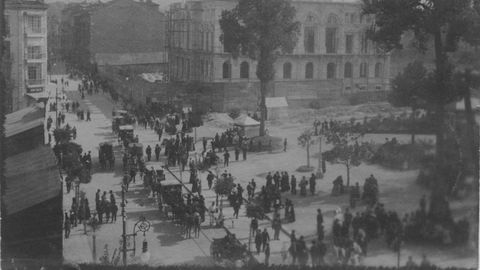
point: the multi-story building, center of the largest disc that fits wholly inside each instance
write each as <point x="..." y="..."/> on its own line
<point x="26" y="38"/>
<point x="115" y="33"/>
<point x="332" y="61"/>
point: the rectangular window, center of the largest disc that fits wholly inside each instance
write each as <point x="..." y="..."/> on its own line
<point x="34" y="23"/>
<point x="349" y="43"/>
<point x="331" y="40"/>
<point x="364" y="48"/>
<point x="309" y="39"/>
<point x="34" y="52"/>
<point x="34" y="73"/>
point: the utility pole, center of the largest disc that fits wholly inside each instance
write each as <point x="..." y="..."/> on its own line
<point x="124" y="226"/>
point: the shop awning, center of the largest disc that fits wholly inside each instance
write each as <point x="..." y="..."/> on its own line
<point x="23" y="120"/>
<point x="31" y="178"/>
<point x="40" y="96"/>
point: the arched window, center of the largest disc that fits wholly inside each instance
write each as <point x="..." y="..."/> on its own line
<point x="378" y="70"/>
<point x="331" y="70"/>
<point x="287" y="70"/>
<point x="244" y="70"/>
<point x="309" y="70"/>
<point x="347" y="71"/>
<point x="333" y="19"/>
<point x="227" y="70"/>
<point x="363" y="70"/>
<point x="309" y="33"/>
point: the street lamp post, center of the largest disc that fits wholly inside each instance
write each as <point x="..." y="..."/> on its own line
<point x="320" y="169"/>
<point x="124" y="226"/>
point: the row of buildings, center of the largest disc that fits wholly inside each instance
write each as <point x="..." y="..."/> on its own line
<point x="25" y="51"/>
<point x="332" y="63"/>
<point x="333" y="59"/>
<point x="31" y="187"/>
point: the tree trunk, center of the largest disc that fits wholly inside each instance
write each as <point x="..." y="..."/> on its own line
<point x="469" y="115"/>
<point x="348" y="174"/>
<point x="441" y="66"/>
<point x="263" y="107"/>
<point x="413" y="125"/>
<point x="308" y="154"/>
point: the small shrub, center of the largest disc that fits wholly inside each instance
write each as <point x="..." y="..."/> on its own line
<point x="234" y="113"/>
<point x="305" y="168"/>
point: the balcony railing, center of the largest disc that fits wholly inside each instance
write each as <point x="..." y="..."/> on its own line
<point x="31" y="82"/>
<point x="37" y="56"/>
<point x="35" y="31"/>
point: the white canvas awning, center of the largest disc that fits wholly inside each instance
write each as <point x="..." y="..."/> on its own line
<point x="246" y="121"/>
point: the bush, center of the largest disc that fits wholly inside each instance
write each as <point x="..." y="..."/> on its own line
<point x="315" y="104"/>
<point x="234" y="113"/>
<point x="305" y="168"/>
<point x="255" y="210"/>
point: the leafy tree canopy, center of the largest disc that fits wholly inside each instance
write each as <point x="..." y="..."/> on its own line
<point x="409" y="87"/>
<point x="425" y="18"/>
<point x="260" y="29"/>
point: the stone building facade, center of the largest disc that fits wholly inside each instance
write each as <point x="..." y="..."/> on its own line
<point x="117" y="33"/>
<point x="332" y="61"/>
<point x="26" y="50"/>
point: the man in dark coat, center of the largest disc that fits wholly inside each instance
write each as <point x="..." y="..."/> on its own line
<point x="265" y="238"/>
<point x="293" y="184"/>
<point x="157" y="151"/>
<point x="148" y="151"/>
<point x="258" y="241"/>
<point x="319" y="223"/>
<point x="312" y="184"/>
<point x="210" y="178"/>
<point x="226" y="157"/>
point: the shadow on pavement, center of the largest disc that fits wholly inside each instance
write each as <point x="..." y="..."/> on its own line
<point x="201" y="261"/>
<point x="170" y="234"/>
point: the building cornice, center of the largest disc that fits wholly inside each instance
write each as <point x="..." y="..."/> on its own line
<point x="24" y="4"/>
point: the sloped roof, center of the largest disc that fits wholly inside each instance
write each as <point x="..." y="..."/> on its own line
<point x="276" y="102"/>
<point x="31" y="178"/>
<point x="23" y="120"/>
<point x="120" y="59"/>
<point x="460" y="105"/>
<point x="245" y="121"/>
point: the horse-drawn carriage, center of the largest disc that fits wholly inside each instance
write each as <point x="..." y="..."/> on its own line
<point x="105" y="155"/>
<point x="228" y="248"/>
<point x="135" y="149"/>
<point x="153" y="176"/>
<point x="171" y="124"/>
<point x="125" y="134"/>
<point x="117" y="121"/>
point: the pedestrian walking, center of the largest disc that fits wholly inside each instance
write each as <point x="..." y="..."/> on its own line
<point x="114" y="211"/>
<point x="204" y="143"/>
<point x="244" y="152"/>
<point x="258" y="241"/>
<point x="237" y="153"/>
<point x="133" y="173"/>
<point x="293" y="185"/>
<point x="157" y="151"/>
<point x="265" y="238"/>
<point x="267" y="254"/>
<point x="312" y="181"/>
<point x="88" y="115"/>
<point x="253" y="226"/>
<point x="148" y="151"/>
<point x="285" y="145"/>
<point x="226" y="158"/>
<point x="319" y="224"/>
<point x="67" y="225"/>
<point x="276" y="226"/>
